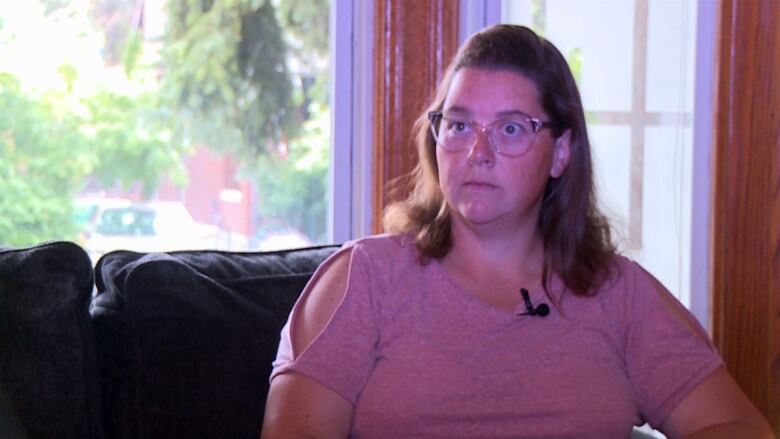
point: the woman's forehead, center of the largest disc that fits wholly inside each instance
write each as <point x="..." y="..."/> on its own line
<point x="491" y="92"/>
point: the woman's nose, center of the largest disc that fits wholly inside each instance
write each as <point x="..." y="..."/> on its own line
<point x="481" y="152"/>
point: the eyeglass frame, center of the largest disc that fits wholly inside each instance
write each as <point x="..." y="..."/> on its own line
<point x="536" y="126"/>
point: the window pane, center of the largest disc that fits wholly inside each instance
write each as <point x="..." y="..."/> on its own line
<point x="164" y="124"/>
<point x="671" y="54"/>
<point x="667" y="217"/>
<point x="569" y="24"/>
<point x="611" y="150"/>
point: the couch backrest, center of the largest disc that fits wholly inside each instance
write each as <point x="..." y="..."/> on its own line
<point x="186" y="339"/>
<point x="48" y="379"/>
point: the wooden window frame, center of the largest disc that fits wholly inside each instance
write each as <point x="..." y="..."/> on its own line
<point x="414" y="41"/>
<point x="745" y="252"/>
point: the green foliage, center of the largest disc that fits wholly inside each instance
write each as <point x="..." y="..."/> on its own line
<point x="574" y="59"/>
<point x="246" y="77"/>
<point x="232" y="89"/>
<point x="132" y="51"/>
<point x="115" y="19"/>
<point x="538" y="15"/>
<point x="227" y="75"/>
<point x="295" y="187"/>
<point x="69" y="74"/>
<point x="43" y="161"/>
<point x="306" y="23"/>
<point x="47" y="152"/>
<point x="129" y="139"/>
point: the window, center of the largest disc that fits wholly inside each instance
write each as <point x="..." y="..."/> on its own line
<point x="188" y="111"/>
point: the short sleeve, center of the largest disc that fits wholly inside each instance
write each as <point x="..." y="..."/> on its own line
<point x="668" y="353"/>
<point x="342" y="356"/>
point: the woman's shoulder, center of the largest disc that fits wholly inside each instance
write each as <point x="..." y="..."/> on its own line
<point x="620" y="270"/>
<point x="623" y="280"/>
<point x="631" y="286"/>
<point x="385" y="245"/>
<point x="386" y="259"/>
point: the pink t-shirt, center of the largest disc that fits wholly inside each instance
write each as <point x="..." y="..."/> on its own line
<point x="418" y="356"/>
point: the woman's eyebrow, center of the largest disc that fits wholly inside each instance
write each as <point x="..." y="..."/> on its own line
<point x="458" y="109"/>
<point x="512" y="113"/>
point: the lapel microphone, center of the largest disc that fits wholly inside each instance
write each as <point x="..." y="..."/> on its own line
<point x="541" y="310"/>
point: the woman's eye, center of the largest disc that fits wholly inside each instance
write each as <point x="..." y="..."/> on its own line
<point x="457" y="126"/>
<point x="512" y="129"/>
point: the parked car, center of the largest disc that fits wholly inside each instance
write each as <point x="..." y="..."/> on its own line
<point x="87" y="212"/>
<point x="148" y="227"/>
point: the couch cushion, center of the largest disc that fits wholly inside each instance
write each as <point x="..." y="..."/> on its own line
<point x="47" y="357"/>
<point x="186" y="339"/>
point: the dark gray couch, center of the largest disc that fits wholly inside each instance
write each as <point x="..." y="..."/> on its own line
<point x="143" y="345"/>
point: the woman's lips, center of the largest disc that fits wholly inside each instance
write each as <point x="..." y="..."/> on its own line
<point x="479" y="185"/>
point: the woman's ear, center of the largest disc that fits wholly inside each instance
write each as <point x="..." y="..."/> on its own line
<point x="561" y="154"/>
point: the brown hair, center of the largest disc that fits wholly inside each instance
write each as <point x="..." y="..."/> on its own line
<point x="577" y="239"/>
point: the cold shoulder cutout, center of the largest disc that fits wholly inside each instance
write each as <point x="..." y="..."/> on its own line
<point x="320" y="300"/>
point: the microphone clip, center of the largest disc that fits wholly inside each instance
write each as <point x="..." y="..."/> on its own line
<point x="541" y="310"/>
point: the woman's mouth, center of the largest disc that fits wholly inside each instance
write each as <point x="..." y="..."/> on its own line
<point x="480" y="185"/>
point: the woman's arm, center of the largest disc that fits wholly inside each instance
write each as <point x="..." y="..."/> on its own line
<point x="716" y="408"/>
<point x="297" y="406"/>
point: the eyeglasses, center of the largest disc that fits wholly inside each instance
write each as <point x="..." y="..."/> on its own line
<point x="511" y="135"/>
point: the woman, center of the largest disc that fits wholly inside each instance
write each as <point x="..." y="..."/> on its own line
<point x="497" y="305"/>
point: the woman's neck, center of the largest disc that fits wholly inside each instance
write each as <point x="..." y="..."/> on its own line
<point x="516" y="254"/>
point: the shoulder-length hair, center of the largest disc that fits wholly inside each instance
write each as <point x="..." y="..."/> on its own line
<point x="576" y="236"/>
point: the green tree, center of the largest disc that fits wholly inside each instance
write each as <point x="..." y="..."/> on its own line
<point x="55" y="138"/>
<point x="43" y="160"/>
<point x="129" y="140"/>
<point x="249" y="78"/>
<point x="227" y="83"/>
<point x="47" y="152"/>
<point x="294" y="187"/>
<point x="227" y="77"/>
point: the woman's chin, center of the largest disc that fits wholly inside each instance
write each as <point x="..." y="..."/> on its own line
<point x="478" y="215"/>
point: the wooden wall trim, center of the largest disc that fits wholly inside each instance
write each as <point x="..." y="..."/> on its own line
<point x="746" y="200"/>
<point x="414" y="41"/>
